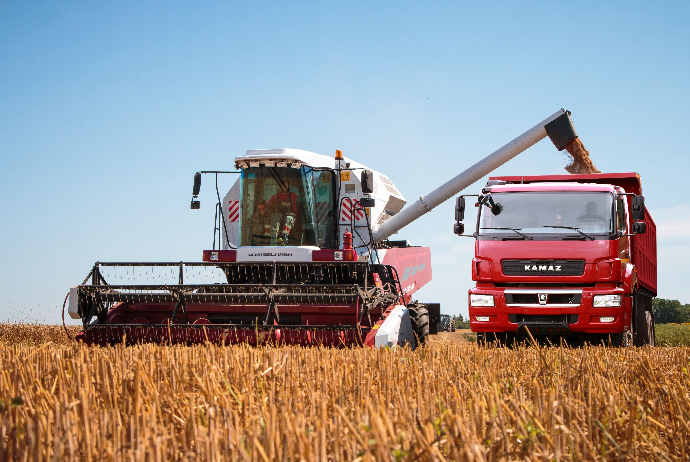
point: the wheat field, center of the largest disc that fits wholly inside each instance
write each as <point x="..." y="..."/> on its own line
<point x="449" y="401"/>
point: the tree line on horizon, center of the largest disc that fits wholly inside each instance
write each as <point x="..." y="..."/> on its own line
<point x="670" y="311"/>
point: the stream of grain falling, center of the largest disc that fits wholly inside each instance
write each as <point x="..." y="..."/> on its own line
<point x="581" y="162"/>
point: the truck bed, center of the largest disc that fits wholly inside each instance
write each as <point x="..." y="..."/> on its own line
<point x="643" y="255"/>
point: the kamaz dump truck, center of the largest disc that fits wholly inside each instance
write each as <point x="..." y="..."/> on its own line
<point x="562" y="256"/>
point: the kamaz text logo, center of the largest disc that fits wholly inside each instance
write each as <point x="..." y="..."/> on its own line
<point x="542" y="267"/>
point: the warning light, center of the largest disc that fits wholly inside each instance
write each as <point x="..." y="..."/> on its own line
<point x="338" y="154"/>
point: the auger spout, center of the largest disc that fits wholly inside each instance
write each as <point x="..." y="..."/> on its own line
<point x="558" y="127"/>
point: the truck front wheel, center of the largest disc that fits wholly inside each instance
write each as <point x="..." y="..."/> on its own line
<point x="624" y="339"/>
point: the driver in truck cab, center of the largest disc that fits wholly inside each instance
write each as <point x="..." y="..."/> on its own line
<point x="591" y="210"/>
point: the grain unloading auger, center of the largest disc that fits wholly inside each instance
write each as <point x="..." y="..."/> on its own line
<point x="303" y="257"/>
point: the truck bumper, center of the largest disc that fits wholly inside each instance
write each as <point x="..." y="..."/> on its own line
<point x="509" y="315"/>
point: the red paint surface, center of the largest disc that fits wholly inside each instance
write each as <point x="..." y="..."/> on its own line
<point x="223" y="255"/>
<point x="410" y="257"/>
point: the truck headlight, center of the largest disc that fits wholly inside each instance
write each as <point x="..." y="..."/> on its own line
<point x="481" y="300"/>
<point x="602" y="301"/>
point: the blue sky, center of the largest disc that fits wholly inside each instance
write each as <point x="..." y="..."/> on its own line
<point x="107" y="110"/>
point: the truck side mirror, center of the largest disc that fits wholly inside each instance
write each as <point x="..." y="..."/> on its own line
<point x="197" y="184"/>
<point x="639" y="227"/>
<point x="367" y="180"/>
<point x="459" y="209"/>
<point x="459" y="228"/>
<point x="637" y="208"/>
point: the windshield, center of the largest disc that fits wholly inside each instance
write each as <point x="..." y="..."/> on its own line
<point x="524" y="214"/>
<point x="286" y="206"/>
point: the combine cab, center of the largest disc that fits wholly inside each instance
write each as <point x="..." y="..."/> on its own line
<point x="303" y="257"/>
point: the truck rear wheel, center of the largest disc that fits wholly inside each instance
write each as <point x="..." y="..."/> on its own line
<point x="419" y="315"/>
<point x="644" y="319"/>
<point x="651" y="335"/>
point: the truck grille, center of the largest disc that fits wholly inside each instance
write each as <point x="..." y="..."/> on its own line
<point x="532" y="298"/>
<point x="543" y="267"/>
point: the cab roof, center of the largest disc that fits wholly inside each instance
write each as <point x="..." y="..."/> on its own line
<point x="290" y="155"/>
<point x="287" y="154"/>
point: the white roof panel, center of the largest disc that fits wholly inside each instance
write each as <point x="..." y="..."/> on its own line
<point x="306" y="157"/>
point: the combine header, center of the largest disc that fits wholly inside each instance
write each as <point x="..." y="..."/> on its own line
<point x="303" y="257"/>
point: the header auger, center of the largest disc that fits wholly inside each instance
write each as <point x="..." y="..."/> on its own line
<point x="301" y="255"/>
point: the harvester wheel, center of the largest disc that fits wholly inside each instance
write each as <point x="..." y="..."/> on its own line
<point x="419" y="315"/>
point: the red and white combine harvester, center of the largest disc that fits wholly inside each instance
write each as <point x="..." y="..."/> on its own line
<point x="303" y="257"/>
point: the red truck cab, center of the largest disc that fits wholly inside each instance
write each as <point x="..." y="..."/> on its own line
<point x="569" y="256"/>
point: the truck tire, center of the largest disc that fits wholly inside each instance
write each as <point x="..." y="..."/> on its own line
<point x="651" y="334"/>
<point x="623" y="339"/>
<point x="643" y="320"/>
<point x="419" y="315"/>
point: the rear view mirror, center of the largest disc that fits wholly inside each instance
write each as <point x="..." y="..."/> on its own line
<point x="197" y="184"/>
<point x="637" y="208"/>
<point x="367" y="180"/>
<point x="459" y="209"/>
<point x="459" y="228"/>
<point x="639" y="227"/>
<point x="196" y="205"/>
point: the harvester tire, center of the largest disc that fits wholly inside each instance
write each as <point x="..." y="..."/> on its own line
<point x="419" y="315"/>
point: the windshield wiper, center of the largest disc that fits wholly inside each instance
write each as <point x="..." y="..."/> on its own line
<point x="591" y="238"/>
<point x="515" y="230"/>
